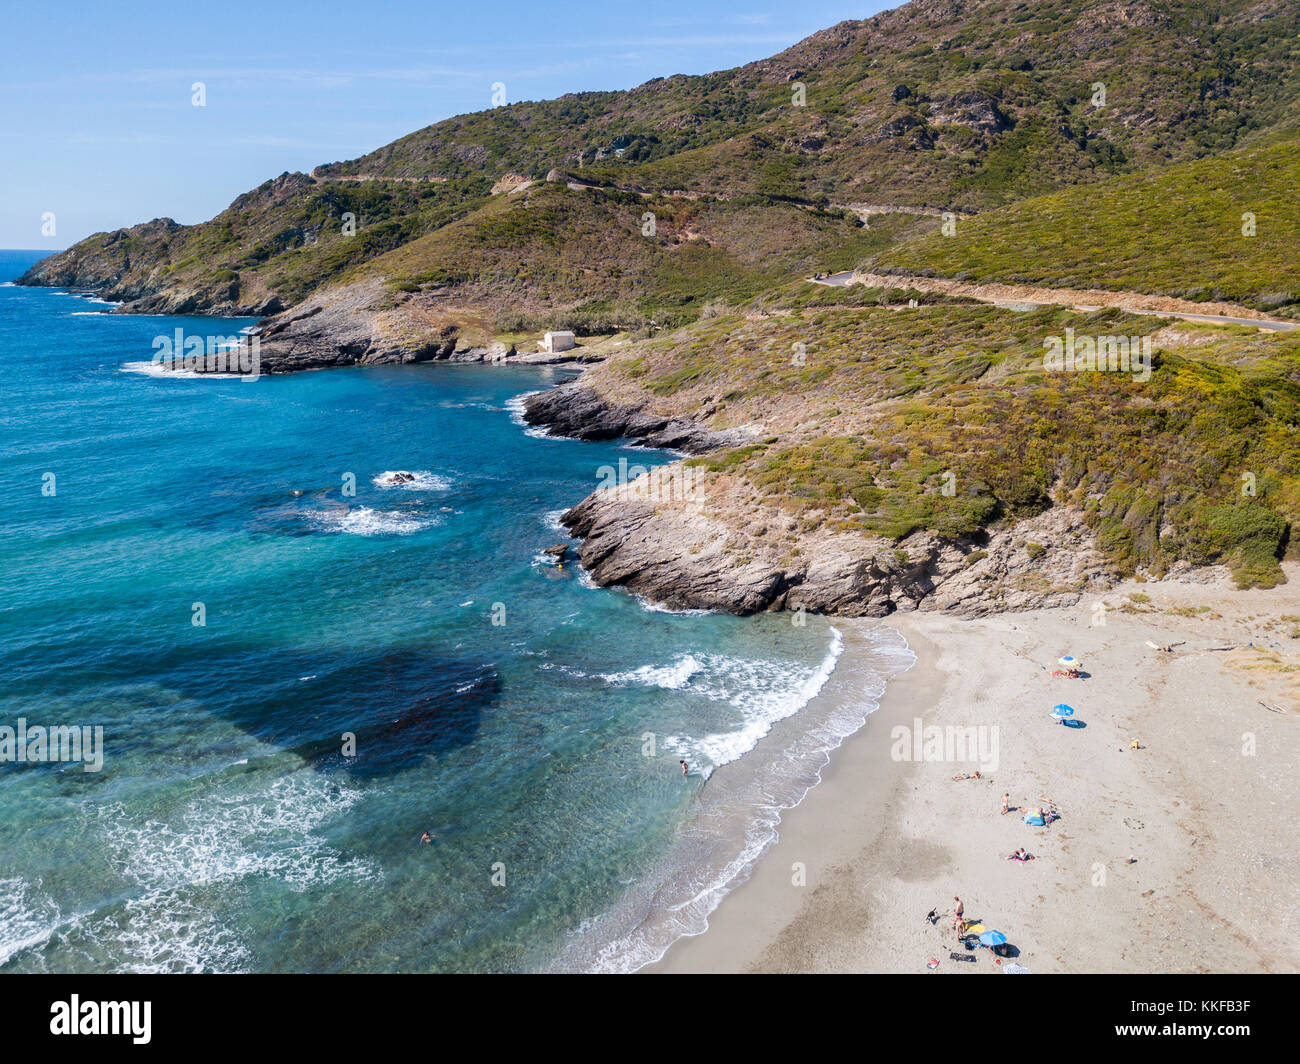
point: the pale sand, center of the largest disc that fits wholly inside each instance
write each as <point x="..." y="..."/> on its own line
<point x="1213" y="830"/>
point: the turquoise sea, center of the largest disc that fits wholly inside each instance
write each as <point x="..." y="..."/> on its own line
<point x="229" y="829"/>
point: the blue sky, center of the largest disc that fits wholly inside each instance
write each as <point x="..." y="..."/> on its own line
<point x="99" y="127"/>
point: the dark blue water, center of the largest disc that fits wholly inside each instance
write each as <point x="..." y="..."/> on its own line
<point x="230" y="828"/>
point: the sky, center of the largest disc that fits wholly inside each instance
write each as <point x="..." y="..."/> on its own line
<point x="100" y="128"/>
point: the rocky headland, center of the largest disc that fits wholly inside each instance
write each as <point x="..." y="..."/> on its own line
<point x="689" y="538"/>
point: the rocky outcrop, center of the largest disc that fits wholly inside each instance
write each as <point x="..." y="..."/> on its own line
<point x="976" y="110"/>
<point x="705" y="555"/>
<point x="511" y="182"/>
<point x="344" y="329"/>
<point x="691" y="539"/>
<point x="116" y="266"/>
<point x="679" y="563"/>
<point x="575" y="410"/>
<point x="366" y="324"/>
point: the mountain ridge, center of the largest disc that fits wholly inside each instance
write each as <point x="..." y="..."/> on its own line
<point x="962" y="106"/>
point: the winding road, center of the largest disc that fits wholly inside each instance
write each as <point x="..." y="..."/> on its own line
<point x="1027" y="297"/>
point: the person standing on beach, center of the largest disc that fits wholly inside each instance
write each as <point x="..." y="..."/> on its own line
<point x="1006" y="803"/>
<point x="959" y="917"/>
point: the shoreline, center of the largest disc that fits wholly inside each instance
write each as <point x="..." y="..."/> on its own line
<point x="745" y="922"/>
<point x="735" y="818"/>
<point x="1210" y="886"/>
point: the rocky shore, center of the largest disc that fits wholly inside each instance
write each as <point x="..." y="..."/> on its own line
<point x="352" y="327"/>
<point x="125" y="267"/>
<point x="693" y="539"/>
<point x="575" y="410"/>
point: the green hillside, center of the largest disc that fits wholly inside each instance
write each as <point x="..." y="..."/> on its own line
<point x="970" y="107"/>
<point x="884" y="401"/>
<point x="1176" y="232"/>
<point x="551" y="255"/>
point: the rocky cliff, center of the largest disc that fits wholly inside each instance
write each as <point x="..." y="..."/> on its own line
<point x="692" y="539"/>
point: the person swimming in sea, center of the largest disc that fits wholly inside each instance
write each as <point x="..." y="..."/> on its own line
<point x="426" y="837"/>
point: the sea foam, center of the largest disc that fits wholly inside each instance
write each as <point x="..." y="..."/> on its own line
<point x="738" y="814"/>
<point x="421" y="480"/>
<point x="363" y="521"/>
<point x="516" y="408"/>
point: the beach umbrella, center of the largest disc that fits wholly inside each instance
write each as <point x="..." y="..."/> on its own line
<point x="1069" y="662"/>
<point x="992" y="938"/>
<point x="1062" y="711"/>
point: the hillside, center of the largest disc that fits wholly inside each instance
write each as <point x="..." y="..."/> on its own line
<point x="1175" y="231"/>
<point x="939" y="104"/>
<point x="895" y="454"/>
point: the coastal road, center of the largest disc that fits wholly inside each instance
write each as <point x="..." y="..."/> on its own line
<point x="1005" y="297"/>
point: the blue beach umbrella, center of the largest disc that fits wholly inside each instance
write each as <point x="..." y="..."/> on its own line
<point x="1062" y="711"/>
<point x="992" y="938"/>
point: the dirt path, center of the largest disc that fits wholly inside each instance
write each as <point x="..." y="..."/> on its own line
<point x="866" y="210"/>
<point x="1017" y="295"/>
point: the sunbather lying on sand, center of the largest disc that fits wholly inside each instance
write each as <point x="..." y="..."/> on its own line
<point x="967" y="776"/>
<point x="1020" y="855"/>
<point x="1070" y="674"/>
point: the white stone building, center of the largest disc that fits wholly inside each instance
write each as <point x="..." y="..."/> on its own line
<point x="557" y="341"/>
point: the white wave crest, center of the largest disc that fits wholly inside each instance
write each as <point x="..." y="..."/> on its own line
<point x="516" y="408"/>
<point x="672" y="677"/>
<point x="363" y="521"/>
<point x="162" y="370"/>
<point x="27" y="917"/>
<point x="419" y="480"/>
<point x="224" y="839"/>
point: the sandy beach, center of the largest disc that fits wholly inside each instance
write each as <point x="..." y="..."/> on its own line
<point x="1178" y="856"/>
